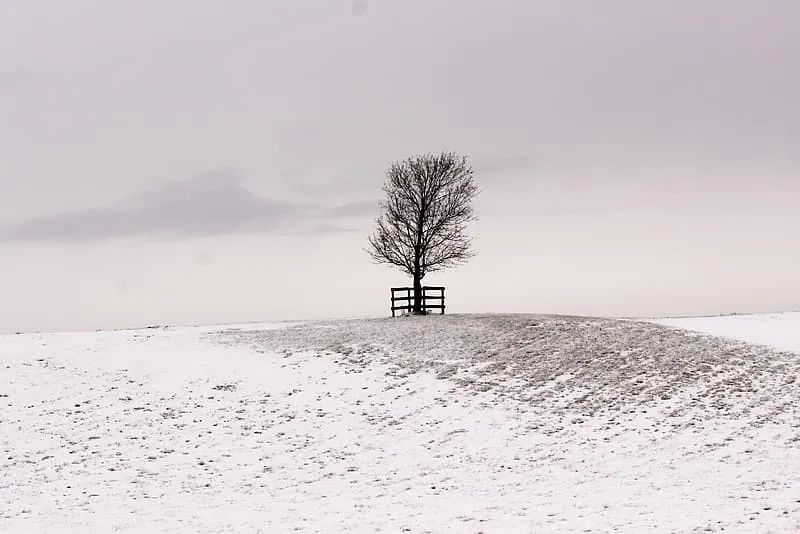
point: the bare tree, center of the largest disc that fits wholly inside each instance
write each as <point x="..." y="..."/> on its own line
<point x="422" y="227"/>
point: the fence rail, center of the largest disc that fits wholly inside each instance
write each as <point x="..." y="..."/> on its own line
<point x="408" y="298"/>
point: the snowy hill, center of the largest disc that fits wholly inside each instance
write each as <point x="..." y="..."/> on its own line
<point x="423" y="424"/>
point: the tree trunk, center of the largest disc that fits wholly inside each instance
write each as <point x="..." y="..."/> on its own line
<point x="417" y="292"/>
<point x="418" y="260"/>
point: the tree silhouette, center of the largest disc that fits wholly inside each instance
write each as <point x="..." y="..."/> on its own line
<point x="422" y="227"/>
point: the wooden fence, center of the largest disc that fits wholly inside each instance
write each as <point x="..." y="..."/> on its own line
<point x="408" y="299"/>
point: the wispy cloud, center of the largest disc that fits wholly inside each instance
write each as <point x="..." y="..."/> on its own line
<point x="359" y="7"/>
<point x="354" y="209"/>
<point x="503" y="164"/>
<point x="213" y="203"/>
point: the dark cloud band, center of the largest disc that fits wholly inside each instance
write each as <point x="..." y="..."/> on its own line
<point x="213" y="203"/>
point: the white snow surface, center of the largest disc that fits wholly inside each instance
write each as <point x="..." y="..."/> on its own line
<point x="778" y="330"/>
<point x="418" y="424"/>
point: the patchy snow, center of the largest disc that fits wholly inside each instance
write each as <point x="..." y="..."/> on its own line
<point x="419" y="424"/>
<point x="778" y="330"/>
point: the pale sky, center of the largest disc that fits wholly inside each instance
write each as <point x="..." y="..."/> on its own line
<point x="198" y="161"/>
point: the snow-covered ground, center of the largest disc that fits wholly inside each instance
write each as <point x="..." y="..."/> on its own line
<point x="423" y="424"/>
<point x="778" y="330"/>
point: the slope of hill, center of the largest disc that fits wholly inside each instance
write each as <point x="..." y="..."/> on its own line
<point x="456" y="423"/>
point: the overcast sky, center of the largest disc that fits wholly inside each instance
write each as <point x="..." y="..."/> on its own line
<point x="205" y="161"/>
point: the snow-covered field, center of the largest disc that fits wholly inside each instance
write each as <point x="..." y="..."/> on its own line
<point x="777" y="330"/>
<point x="427" y="424"/>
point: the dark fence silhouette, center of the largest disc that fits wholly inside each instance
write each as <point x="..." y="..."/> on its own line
<point x="406" y="295"/>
